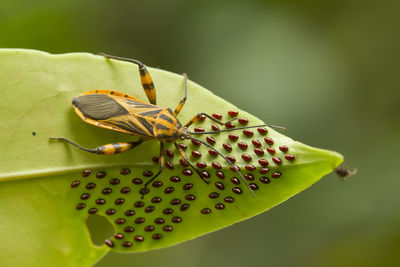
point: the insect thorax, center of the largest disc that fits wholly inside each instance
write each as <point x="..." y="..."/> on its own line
<point x="167" y="126"/>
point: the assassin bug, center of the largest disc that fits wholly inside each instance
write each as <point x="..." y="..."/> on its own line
<point x="121" y="112"/>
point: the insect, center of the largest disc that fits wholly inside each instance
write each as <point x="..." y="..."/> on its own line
<point x="344" y="173"/>
<point x="120" y="112"/>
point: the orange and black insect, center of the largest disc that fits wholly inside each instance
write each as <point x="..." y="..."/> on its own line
<point x="121" y="112"/>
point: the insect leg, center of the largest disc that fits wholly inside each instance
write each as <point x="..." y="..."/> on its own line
<point x="108" y="149"/>
<point x="161" y="164"/>
<point x="182" y="102"/>
<point x="183" y="155"/>
<point x="198" y="116"/>
<point x="228" y="161"/>
<point x="145" y="78"/>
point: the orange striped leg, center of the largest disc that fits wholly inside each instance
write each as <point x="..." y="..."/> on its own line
<point x="198" y="116"/>
<point x="183" y="155"/>
<point x="145" y="78"/>
<point x="182" y="102"/>
<point x="109" y="149"/>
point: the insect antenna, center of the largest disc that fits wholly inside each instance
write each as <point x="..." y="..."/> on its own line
<point x="230" y="163"/>
<point x="241" y="128"/>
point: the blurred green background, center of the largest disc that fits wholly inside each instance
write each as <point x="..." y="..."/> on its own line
<point x="327" y="70"/>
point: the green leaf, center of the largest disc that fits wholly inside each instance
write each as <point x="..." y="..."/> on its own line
<point x="39" y="216"/>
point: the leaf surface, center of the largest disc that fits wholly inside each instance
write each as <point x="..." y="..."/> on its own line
<point x="39" y="215"/>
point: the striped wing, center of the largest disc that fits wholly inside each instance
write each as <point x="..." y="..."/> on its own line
<point x="117" y="111"/>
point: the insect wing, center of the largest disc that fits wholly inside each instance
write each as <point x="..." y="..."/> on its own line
<point x="132" y="124"/>
<point x="99" y="106"/>
<point x="116" y="111"/>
